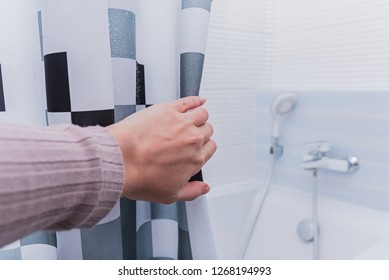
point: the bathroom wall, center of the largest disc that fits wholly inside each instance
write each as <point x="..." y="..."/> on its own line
<point x="335" y="56"/>
<point x="234" y="60"/>
<point x="355" y="123"/>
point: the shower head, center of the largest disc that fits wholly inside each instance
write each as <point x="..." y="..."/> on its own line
<point x="281" y="105"/>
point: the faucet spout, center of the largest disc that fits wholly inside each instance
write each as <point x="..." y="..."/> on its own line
<point x="318" y="158"/>
<point x="335" y="164"/>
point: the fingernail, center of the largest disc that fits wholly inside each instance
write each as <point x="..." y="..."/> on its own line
<point x="206" y="189"/>
<point x="202" y="99"/>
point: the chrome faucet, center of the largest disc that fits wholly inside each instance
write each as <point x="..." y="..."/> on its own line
<point x="318" y="158"/>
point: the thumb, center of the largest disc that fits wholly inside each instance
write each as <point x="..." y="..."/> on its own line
<point x="192" y="190"/>
<point x="188" y="103"/>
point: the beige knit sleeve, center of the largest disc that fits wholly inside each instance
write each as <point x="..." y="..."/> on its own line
<point x="56" y="178"/>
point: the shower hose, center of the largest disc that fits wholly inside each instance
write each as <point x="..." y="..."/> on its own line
<point x="259" y="201"/>
<point x="315" y="219"/>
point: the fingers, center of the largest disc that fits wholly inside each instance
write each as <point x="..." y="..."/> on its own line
<point x="187" y="103"/>
<point x="206" y="131"/>
<point x="190" y="105"/>
<point x="192" y="190"/>
<point x="208" y="150"/>
<point x="199" y="116"/>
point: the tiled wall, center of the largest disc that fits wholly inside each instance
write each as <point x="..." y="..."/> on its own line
<point x="335" y="56"/>
<point x="355" y="123"/>
<point x="234" y="67"/>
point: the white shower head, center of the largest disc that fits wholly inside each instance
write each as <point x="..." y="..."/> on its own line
<point x="281" y="105"/>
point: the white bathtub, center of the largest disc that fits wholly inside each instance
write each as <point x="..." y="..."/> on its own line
<point x="346" y="231"/>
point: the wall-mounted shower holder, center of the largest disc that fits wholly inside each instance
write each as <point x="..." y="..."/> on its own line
<point x="276" y="149"/>
<point x="318" y="157"/>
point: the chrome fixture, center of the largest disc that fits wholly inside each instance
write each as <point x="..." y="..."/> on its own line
<point x="318" y="157"/>
<point x="306" y="230"/>
<point x="280" y="106"/>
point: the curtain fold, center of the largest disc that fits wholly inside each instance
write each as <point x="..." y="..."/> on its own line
<point x="99" y="62"/>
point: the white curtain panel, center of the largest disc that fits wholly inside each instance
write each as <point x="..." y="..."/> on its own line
<point x="94" y="62"/>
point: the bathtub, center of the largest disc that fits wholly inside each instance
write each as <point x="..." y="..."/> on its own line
<point x="346" y="231"/>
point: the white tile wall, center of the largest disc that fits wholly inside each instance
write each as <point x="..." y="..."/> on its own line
<point x="335" y="56"/>
<point x="330" y="45"/>
<point x="234" y="60"/>
<point x="355" y="123"/>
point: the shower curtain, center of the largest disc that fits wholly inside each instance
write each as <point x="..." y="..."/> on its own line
<point x="95" y="62"/>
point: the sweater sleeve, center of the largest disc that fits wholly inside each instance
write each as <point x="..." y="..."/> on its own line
<point x="56" y="178"/>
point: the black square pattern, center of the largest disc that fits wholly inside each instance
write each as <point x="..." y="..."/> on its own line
<point x="140" y="84"/>
<point x="57" y="82"/>
<point x="99" y="117"/>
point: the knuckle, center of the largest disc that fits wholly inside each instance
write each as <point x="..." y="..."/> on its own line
<point x="183" y="105"/>
<point x="204" y="112"/>
<point x="211" y="129"/>
<point x="211" y="150"/>
<point x="214" y="148"/>
<point x="214" y="145"/>
<point x="186" y="103"/>
<point x="200" y="160"/>
<point x="196" y="139"/>
<point x="186" y="121"/>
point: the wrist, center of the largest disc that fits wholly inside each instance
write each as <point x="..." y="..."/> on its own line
<point x="127" y="147"/>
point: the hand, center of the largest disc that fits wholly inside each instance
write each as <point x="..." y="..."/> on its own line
<point x="163" y="146"/>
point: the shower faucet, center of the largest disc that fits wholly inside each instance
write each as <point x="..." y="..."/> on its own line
<point x="318" y="157"/>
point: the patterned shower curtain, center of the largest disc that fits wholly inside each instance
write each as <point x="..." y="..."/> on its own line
<point x="95" y="62"/>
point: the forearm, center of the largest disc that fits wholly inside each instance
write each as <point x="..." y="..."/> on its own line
<point x="56" y="178"/>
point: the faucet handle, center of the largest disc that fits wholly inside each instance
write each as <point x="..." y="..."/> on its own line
<point x="316" y="150"/>
<point x="318" y="147"/>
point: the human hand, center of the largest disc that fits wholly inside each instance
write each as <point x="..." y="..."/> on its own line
<point x="163" y="146"/>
